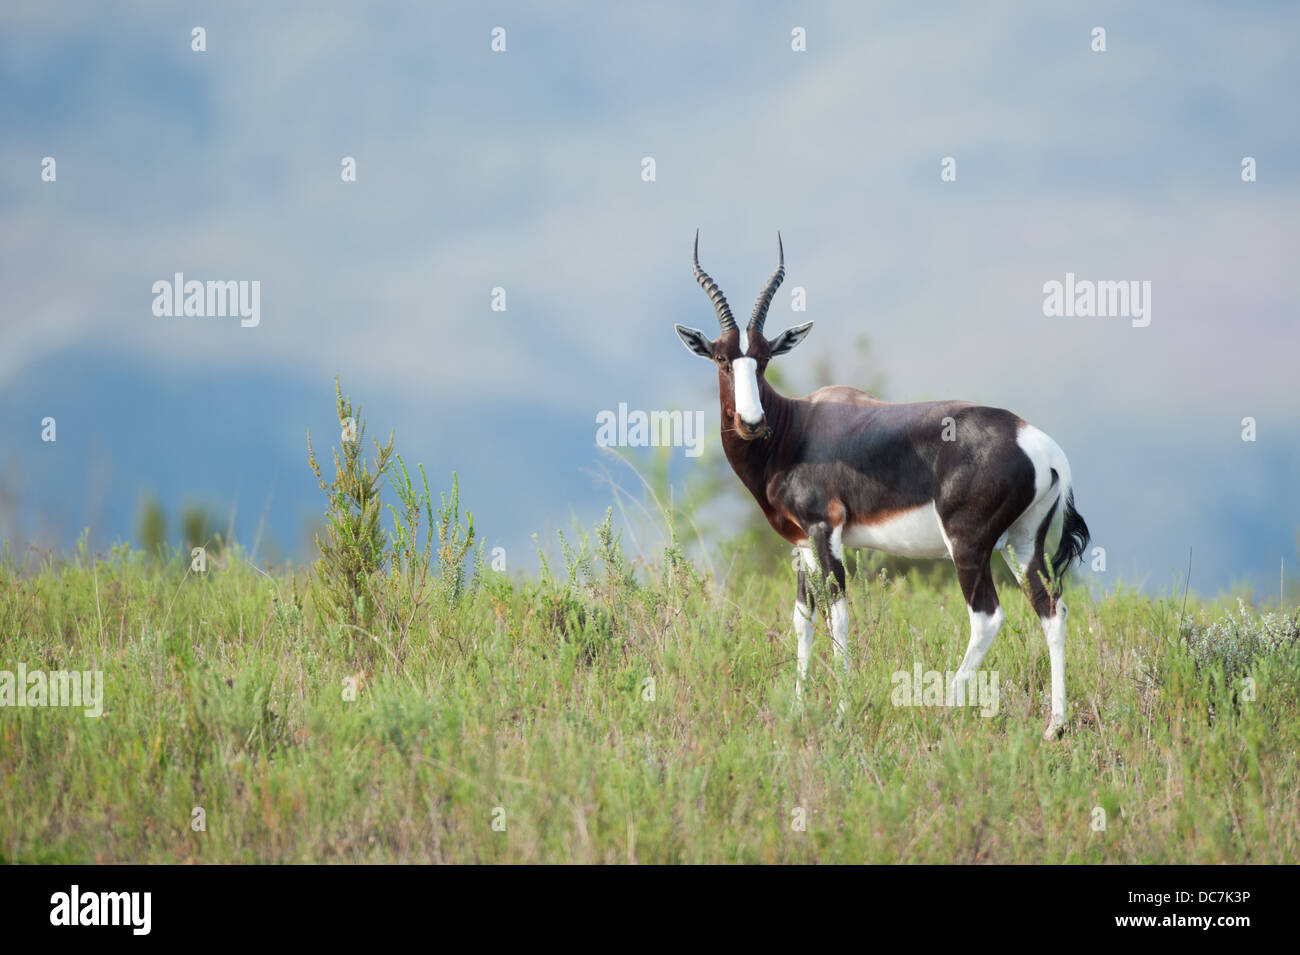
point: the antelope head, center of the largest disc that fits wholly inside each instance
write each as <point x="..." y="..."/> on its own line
<point x="742" y="356"/>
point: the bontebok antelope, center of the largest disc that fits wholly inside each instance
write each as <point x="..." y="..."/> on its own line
<point x="841" y="469"/>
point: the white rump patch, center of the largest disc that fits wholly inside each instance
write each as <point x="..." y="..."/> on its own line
<point x="745" y="375"/>
<point x="1046" y="456"/>
<point x="914" y="533"/>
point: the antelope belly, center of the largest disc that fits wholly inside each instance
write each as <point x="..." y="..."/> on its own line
<point x="912" y="533"/>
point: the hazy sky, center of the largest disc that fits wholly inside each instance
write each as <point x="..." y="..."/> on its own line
<point x="523" y="170"/>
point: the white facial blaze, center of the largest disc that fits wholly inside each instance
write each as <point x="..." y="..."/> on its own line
<point x="744" y="373"/>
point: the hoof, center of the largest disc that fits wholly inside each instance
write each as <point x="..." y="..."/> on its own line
<point x="1055" y="730"/>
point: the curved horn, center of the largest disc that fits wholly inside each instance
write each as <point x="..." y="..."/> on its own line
<point x="715" y="294"/>
<point x="760" y="310"/>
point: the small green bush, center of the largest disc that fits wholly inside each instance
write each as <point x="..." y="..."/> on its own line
<point x="1237" y="641"/>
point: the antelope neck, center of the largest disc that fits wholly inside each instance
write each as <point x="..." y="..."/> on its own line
<point x="749" y="459"/>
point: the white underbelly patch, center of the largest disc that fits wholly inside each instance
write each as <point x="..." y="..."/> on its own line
<point x="912" y="533"/>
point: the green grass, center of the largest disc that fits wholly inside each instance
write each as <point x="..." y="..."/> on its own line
<point x="222" y="692"/>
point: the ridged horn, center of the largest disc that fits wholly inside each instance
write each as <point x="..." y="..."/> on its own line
<point x="719" y="300"/>
<point x="760" y="310"/>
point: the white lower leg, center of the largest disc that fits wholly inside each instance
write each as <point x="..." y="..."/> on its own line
<point x="803" y="630"/>
<point x="983" y="628"/>
<point x="840" y="632"/>
<point x="840" y="638"/>
<point x="1054" y="630"/>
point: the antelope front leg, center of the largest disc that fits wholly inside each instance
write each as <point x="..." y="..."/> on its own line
<point x="805" y="612"/>
<point x="828" y="549"/>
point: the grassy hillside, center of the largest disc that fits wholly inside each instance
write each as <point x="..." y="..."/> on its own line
<point x="511" y="720"/>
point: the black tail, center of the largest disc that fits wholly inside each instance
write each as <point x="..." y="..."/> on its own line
<point x="1074" y="538"/>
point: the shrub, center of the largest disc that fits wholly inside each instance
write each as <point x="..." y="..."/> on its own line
<point x="1237" y="641"/>
<point x="354" y="548"/>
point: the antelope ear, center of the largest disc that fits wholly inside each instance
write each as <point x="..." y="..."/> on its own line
<point x="694" y="339"/>
<point x="790" y="337"/>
